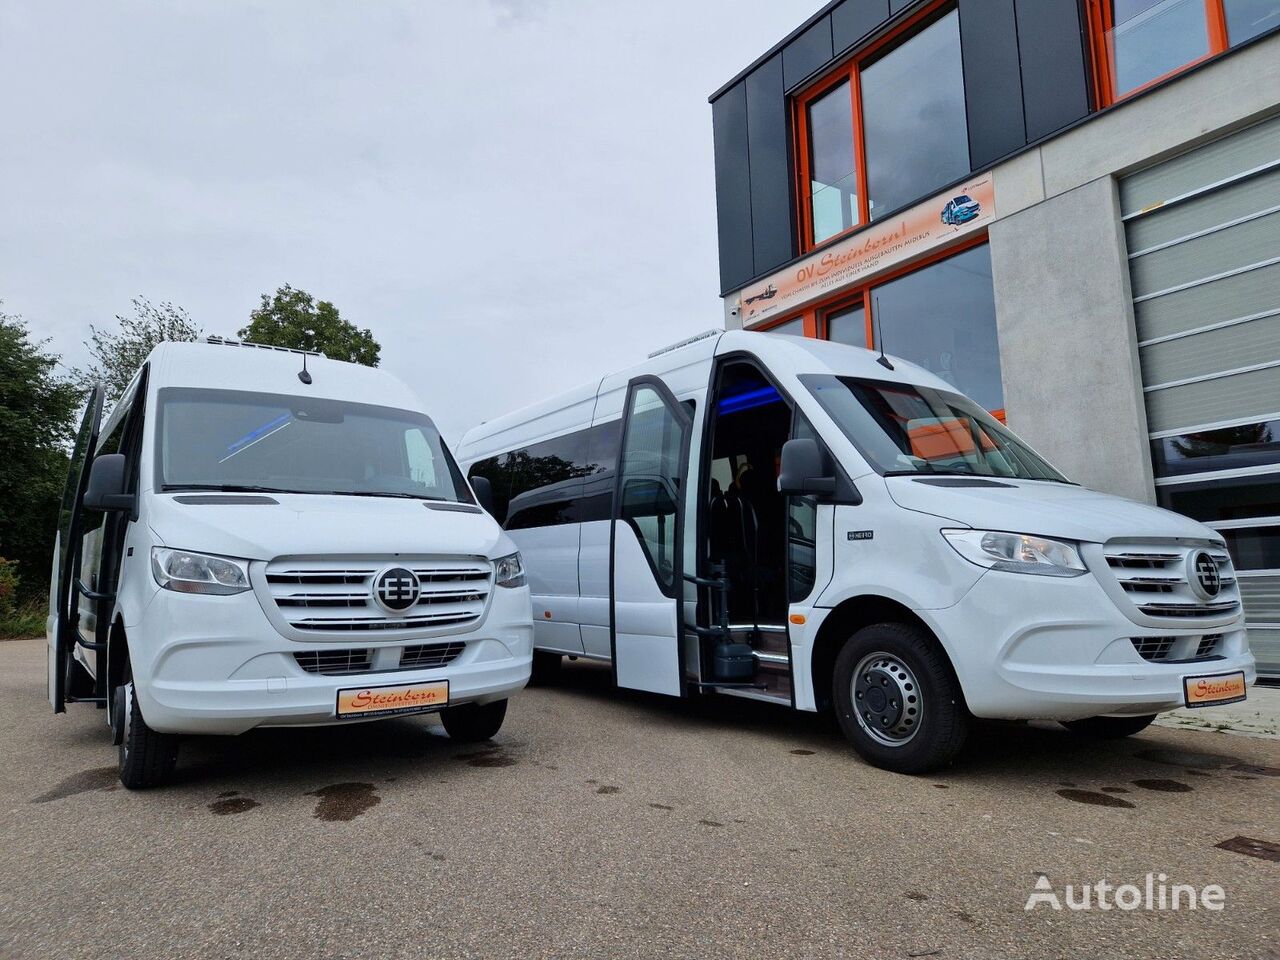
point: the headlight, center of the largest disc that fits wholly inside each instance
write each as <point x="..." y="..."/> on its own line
<point x="1017" y="552"/>
<point x="509" y="571"/>
<point x="188" y="572"/>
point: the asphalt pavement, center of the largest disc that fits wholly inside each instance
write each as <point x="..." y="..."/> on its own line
<point x="605" y="823"/>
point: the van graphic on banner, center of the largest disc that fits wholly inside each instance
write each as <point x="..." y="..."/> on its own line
<point x="876" y="248"/>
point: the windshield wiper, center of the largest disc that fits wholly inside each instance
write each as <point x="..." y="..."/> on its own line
<point x="376" y="493"/>
<point x="932" y="473"/>
<point x="229" y="488"/>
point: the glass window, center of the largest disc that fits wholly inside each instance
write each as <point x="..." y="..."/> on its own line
<point x="848" y="325"/>
<point x="914" y="126"/>
<point x="903" y="428"/>
<point x="1249" y="18"/>
<point x="238" y="440"/>
<point x="802" y="530"/>
<point x="833" y="187"/>
<point x="943" y="318"/>
<point x="1227" y="498"/>
<point x="1150" y="38"/>
<point x="650" y="461"/>
<point x="792" y="328"/>
<point x="1227" y="448"/>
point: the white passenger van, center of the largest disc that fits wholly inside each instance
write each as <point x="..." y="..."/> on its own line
<point x="796" y="521"/>
<point x="260" y="537"/>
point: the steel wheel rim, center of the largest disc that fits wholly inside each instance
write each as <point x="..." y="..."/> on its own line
<point x="887" y="699"/>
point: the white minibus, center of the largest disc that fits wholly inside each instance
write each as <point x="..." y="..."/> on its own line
<point x="805" y="523"/>
<point x="261" y="537"/>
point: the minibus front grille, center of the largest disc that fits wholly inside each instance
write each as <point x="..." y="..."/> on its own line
<point x="1178" y="649"/>
<point x="334" y="663"/>
<point x="424" y="656"/>
<point x="1154" y="579"/>
<point x="318" y="596"/>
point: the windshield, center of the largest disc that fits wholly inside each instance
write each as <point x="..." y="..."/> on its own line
<point x="903" y="428"/>
<point x="962" y="199"/>
<point x="236" y="440"/>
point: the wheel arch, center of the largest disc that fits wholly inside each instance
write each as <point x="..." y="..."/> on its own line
<point x="851" y="615"/>
<point x="117" y="655"/>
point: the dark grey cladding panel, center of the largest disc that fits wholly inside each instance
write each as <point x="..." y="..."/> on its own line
<point x="854" y="19"/>
<point x="771" y="227"/>
<point x="992" y="79"/>
<point x="1055" y="86"/>
<point x="733" y="187"/>
<point x="896" y="5"/>
<point x="807" y="53"/>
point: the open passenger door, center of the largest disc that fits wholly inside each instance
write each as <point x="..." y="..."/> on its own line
<point x="646" y="583"/>
<point x="63" y="599"/>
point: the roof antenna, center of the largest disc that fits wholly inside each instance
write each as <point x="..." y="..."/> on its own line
<point x="305" y="377"/>
<point x="875" y="315"/>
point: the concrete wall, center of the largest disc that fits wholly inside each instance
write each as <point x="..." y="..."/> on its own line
<point x="1068" y="352"/>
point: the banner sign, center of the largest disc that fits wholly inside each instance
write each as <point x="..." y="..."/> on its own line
<point x="874" y="249"/>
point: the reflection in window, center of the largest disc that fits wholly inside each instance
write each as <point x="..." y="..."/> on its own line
<point x="1226" y="498"/>
<point x="792" y="328"/>
<point x="833" y="190"/>
<point x="1227" y="448"/>
<point x="943" y="318"/>
<point x="848" y="325"/>
<point x="1150" y="38"/>
<point x="1249" y="18"/>
<point x="914" y="126"/>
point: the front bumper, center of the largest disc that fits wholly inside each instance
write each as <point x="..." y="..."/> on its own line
<point x="1027" y="647"/>
<point x="215" y="665"/>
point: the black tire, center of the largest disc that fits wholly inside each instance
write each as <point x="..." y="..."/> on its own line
<point x="147" y="758"/>
<point x="546" y="668"/>
<point x="1109" y="728"/>
<point x="906" y="691"/>
<point x="473" y="722"/>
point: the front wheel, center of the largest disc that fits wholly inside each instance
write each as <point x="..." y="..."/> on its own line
<point x="473" y="722"/>
<point x="897" y="700"/>
<point x="1109" y="728"/>
<point x="147" y="758"/>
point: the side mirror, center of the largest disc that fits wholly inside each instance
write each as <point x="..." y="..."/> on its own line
<point x="106" y="489"/>
<point x="483" y="490"/>
<point x="805" y="470"/>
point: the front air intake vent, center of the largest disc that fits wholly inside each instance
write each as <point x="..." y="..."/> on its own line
<point x="335" y="663"/>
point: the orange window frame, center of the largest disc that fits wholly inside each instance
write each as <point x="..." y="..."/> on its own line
<point x="815" y="317"/>
<point x="1101" y="23"/>
<point x="850" y="71"/>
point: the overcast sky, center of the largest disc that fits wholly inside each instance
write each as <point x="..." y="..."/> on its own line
<point x="515" y="195"/>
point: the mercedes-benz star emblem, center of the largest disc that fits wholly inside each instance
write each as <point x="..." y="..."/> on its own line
<point x="396" y="589"/>
<point x="1208" y="581"/>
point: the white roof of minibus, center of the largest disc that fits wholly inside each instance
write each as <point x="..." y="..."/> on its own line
<point x="232" y="366"/>
<point x="779" y="352"/>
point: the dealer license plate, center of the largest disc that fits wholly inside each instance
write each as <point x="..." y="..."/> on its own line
<point x="396" y="698"/>
<point x="1214" y="689"/>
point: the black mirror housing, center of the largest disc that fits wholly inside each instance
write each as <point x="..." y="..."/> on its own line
<point x="106" y="491"/>
<point x="805" y="470"/>
<point x="483" y="490"/>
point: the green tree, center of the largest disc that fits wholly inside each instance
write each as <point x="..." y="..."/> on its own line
<point x="293" y="318"/>
<point x="37" y="421"/>
<point x="117" y="355"/>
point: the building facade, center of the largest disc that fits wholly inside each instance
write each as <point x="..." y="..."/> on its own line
<point x="1070" y="209"/>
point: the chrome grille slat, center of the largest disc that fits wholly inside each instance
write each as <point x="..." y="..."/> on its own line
<point x="1154" y="578"/>
<point x="320" y="595"/>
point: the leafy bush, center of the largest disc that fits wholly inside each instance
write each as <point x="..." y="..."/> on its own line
<point x="17" y="620"/>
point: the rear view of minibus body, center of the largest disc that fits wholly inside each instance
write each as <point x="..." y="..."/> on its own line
<point x="795" y="521"/>
<point x="256" y="537"/>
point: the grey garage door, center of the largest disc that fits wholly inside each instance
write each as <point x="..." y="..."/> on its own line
<point x="1203" y="234"/>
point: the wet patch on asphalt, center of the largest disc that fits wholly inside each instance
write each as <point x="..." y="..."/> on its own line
<point x="916" y="895"/>
<point x="804" y="753"/>
<point x="343" y="802"/>
<point x="1115" y="790"/>
<point x="661" y="806"/>
<point x="1094" y="799"/>
<point x="97" y="778"/>
<point x="1255" y="769"/>
<point x="231" y="805"/>
<point x="710" y="823"/>
<point x="1163" y="786"/>
<point x="608" y="788"/>
<point x="493" y="756"/>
